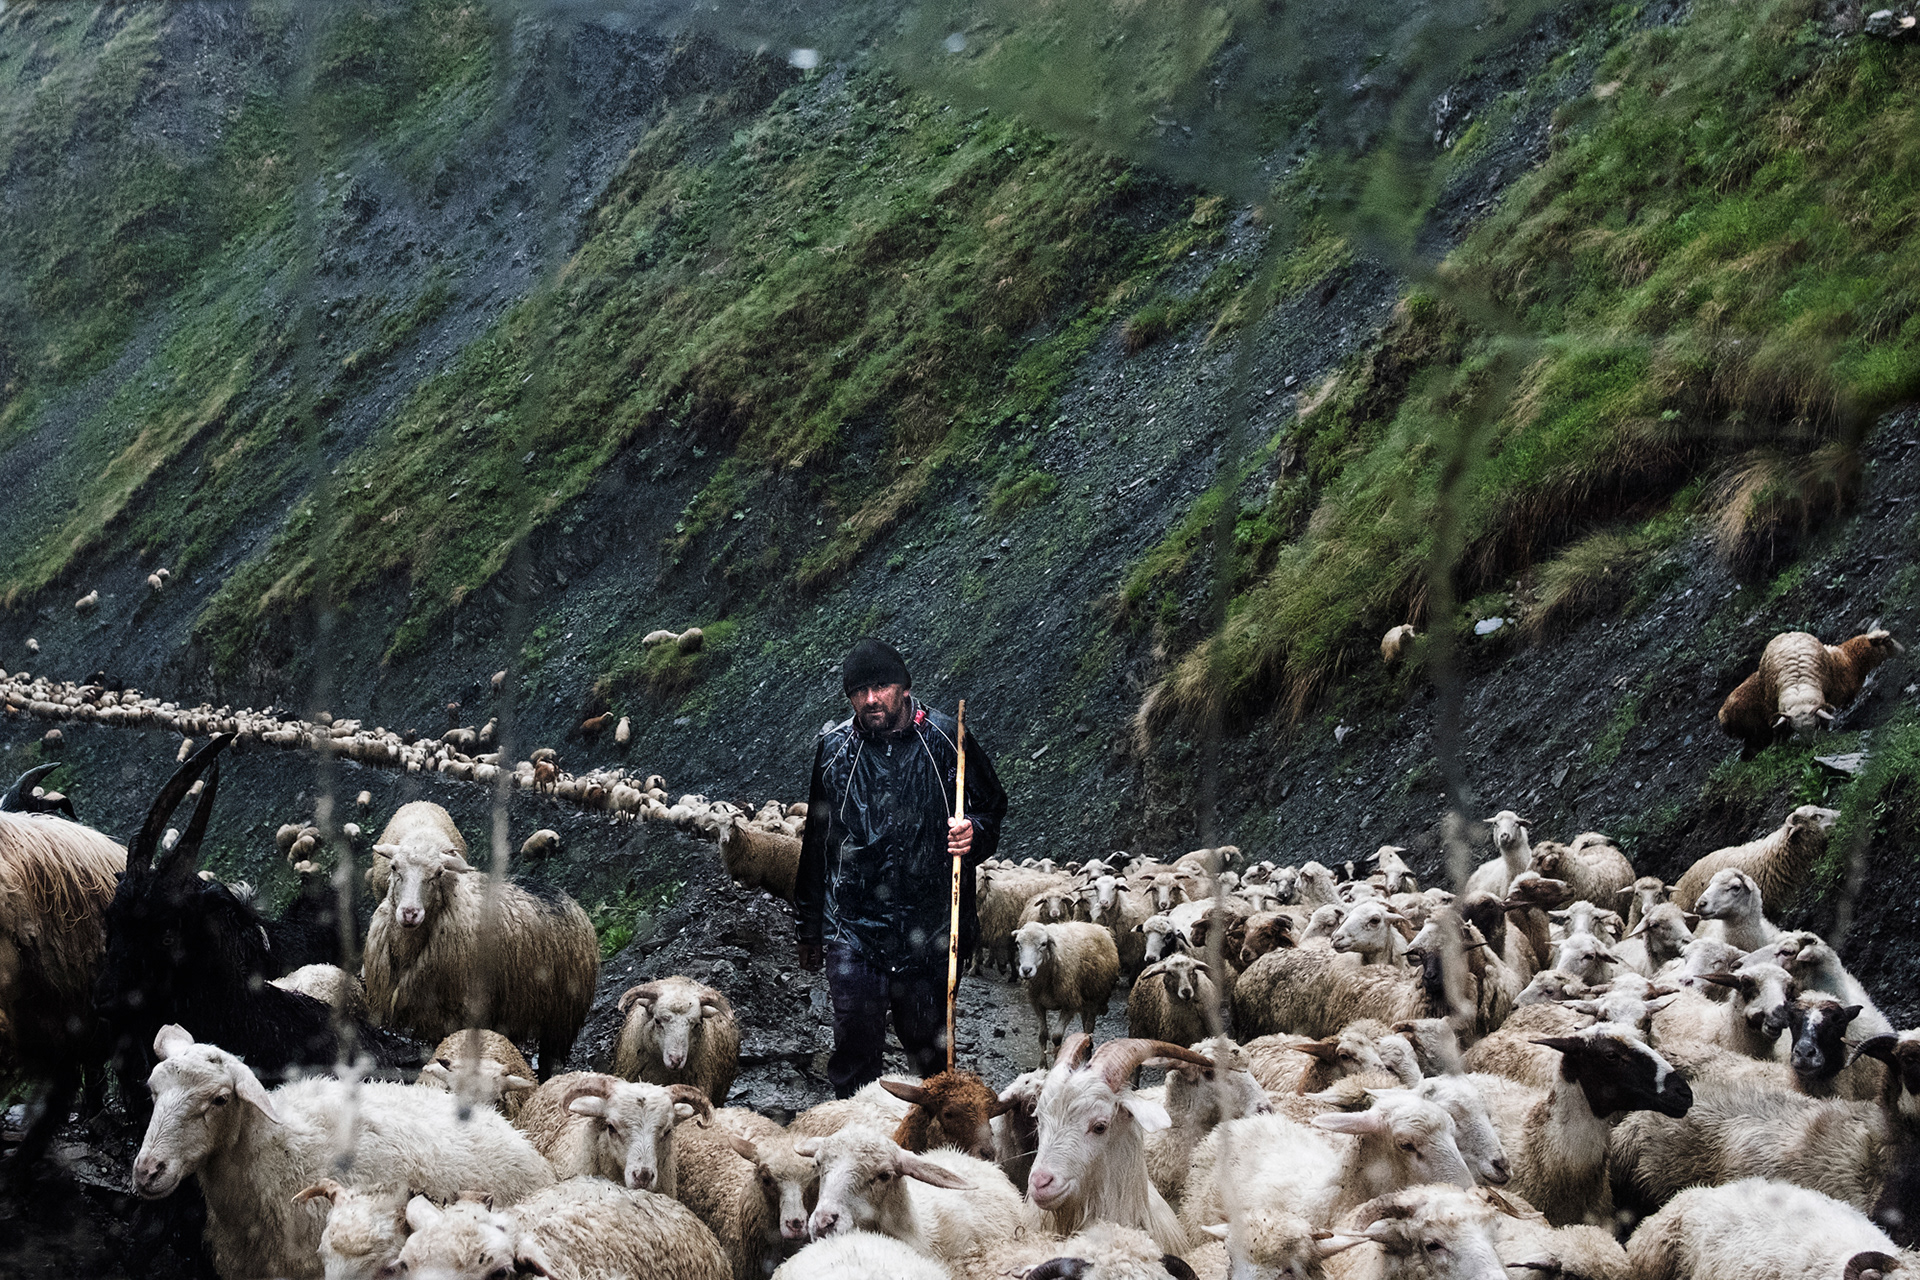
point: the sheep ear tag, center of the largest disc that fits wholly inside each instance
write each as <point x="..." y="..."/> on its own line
<point x="1148" y="1114"/>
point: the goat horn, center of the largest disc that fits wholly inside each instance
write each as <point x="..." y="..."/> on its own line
<point x="185" y="856"/>
<point x="1117" y="1060"/>
<point x="645" y="991"/>
<point x="1880" y="1047"/>
<point x="15" y="800"/>
<point x="1074" y="1050"/>
<point x="141" y="848"/>
<point x="696" y="1097"/>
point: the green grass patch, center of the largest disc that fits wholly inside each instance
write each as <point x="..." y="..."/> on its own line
<point x="1880" y="807"/>
<point x="616" y="920"/>
<point x="1718" y="257"/>
<point x="662" y="671"/>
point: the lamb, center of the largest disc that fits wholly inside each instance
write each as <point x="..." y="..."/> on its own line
<point x="1174" y="1000"/>
<point x="1800" y="684"/>
<point x="1779" y="861"/>
<point x="760" y="859"/>
<point x="1592" y="868"/>
<point x="861" y="1255"/>
<point x="444" y="939"/>
<point x="56" y="880"/>
<point x="1759" y="1229"/>
<point x="253" y="1158"/>
<point x="1731" y="901"/>
<point x="1397" y="643"/>
<point x="583" y="1229"/>
<point x="88" y="602"/>
<point x="481" y="1068"/>
<point x="753" y="1190"/>
<point x="1558" y="1142"/>
<point x="942" y="1203"/>
<point x="1071" y="967"/>
<point x="678" y="1032"/>
<point x="541" y="844"/>
<point x="366" y="1229"/>
<point x="1091" y="1161"/>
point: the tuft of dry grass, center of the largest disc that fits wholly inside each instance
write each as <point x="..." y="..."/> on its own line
<point x="1767" y="500"/>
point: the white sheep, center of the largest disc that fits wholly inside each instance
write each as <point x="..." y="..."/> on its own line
<point x="678" y="1032"/>
<point x="1779" y="861"/>
<point x="1369" y="931"/>
<point x="581" y="1229"/>
<point x="591" y="1125"/>
<point x="861" y="1255"/>
<point x="1513" y="854"/>
<point x="366" y="1229"/>
<point x="943" y="1203"/>
<point x="254" y="1151"/>
<point x="1731" y="902"/>
<point x="1072" y="967"/>
<point x="743" y="1178"/>
<point x="481" y="1069"/>
<point x="1757" y="1229"/>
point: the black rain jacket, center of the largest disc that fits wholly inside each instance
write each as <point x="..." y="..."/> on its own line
<point x="875" y="874"/>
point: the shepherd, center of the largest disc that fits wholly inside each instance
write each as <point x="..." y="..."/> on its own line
<point x="876" y="864"/>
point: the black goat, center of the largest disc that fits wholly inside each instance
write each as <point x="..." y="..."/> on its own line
<point x="187" y="951"/>
<point x="19" y="798"/>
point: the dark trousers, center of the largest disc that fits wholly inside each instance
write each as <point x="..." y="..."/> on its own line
<point x="862" y="997"/>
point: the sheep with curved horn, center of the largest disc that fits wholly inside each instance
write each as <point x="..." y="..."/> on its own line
<point x="19" y="798"/>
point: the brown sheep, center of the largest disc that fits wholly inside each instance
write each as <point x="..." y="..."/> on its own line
<point x="953" y="1109"/>
<point x="678" y="1032"/>
<point x="1779" y="861"/>
<point x="1800" y="684"/>
<point x="760" y="859"/>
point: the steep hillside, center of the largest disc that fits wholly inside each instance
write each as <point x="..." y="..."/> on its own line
<point x="1134" y="370"/>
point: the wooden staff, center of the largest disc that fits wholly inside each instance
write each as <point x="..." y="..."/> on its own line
<point x="953" y="923"/>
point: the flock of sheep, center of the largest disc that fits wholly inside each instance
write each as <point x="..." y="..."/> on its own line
<point x="1365" y="1079"/>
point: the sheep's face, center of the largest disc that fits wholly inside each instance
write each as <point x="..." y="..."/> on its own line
<point x="1035" y="946"/>
<point x="1181" y="977"/>
<point x="1730" y="895"/>
<point x="1415" y="1138"/>
<point x="1509" y="831"/>
<point x="1819" y="1024"/>
<point x="1618" y="1072"/>
<point x="1106" y="893"/>
<point x="422" y="883"/>
<point x="1366" y="929"/>
<point x="365" y="1231"/>
<point x="676" y="1017"/>
<point x="1429" y="1232"/>
<point x="1548" y="861"/>
<point x="1160" y="938"/>
<point x="1324" y="920"/>
<point x="861" y="1189"/>
<point x="464" y="1241"/>
<point x="1812" y="818"/>
<point x="1270" y="1244"/>
<point x="199" y="1094"/>
<point x="1056" y="907"/>
<point x="1166" y="892"/>
<point x="1586" y="957"/>
<point x="1473" y="1130"/>
<point x="634" y="1133"/>
<point x="789" y="1183"/>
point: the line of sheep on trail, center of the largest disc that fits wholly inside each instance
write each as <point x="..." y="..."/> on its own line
<point x="1566" y="1069"/>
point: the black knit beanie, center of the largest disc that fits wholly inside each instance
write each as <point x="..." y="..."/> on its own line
<point x="873" y="662"/>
